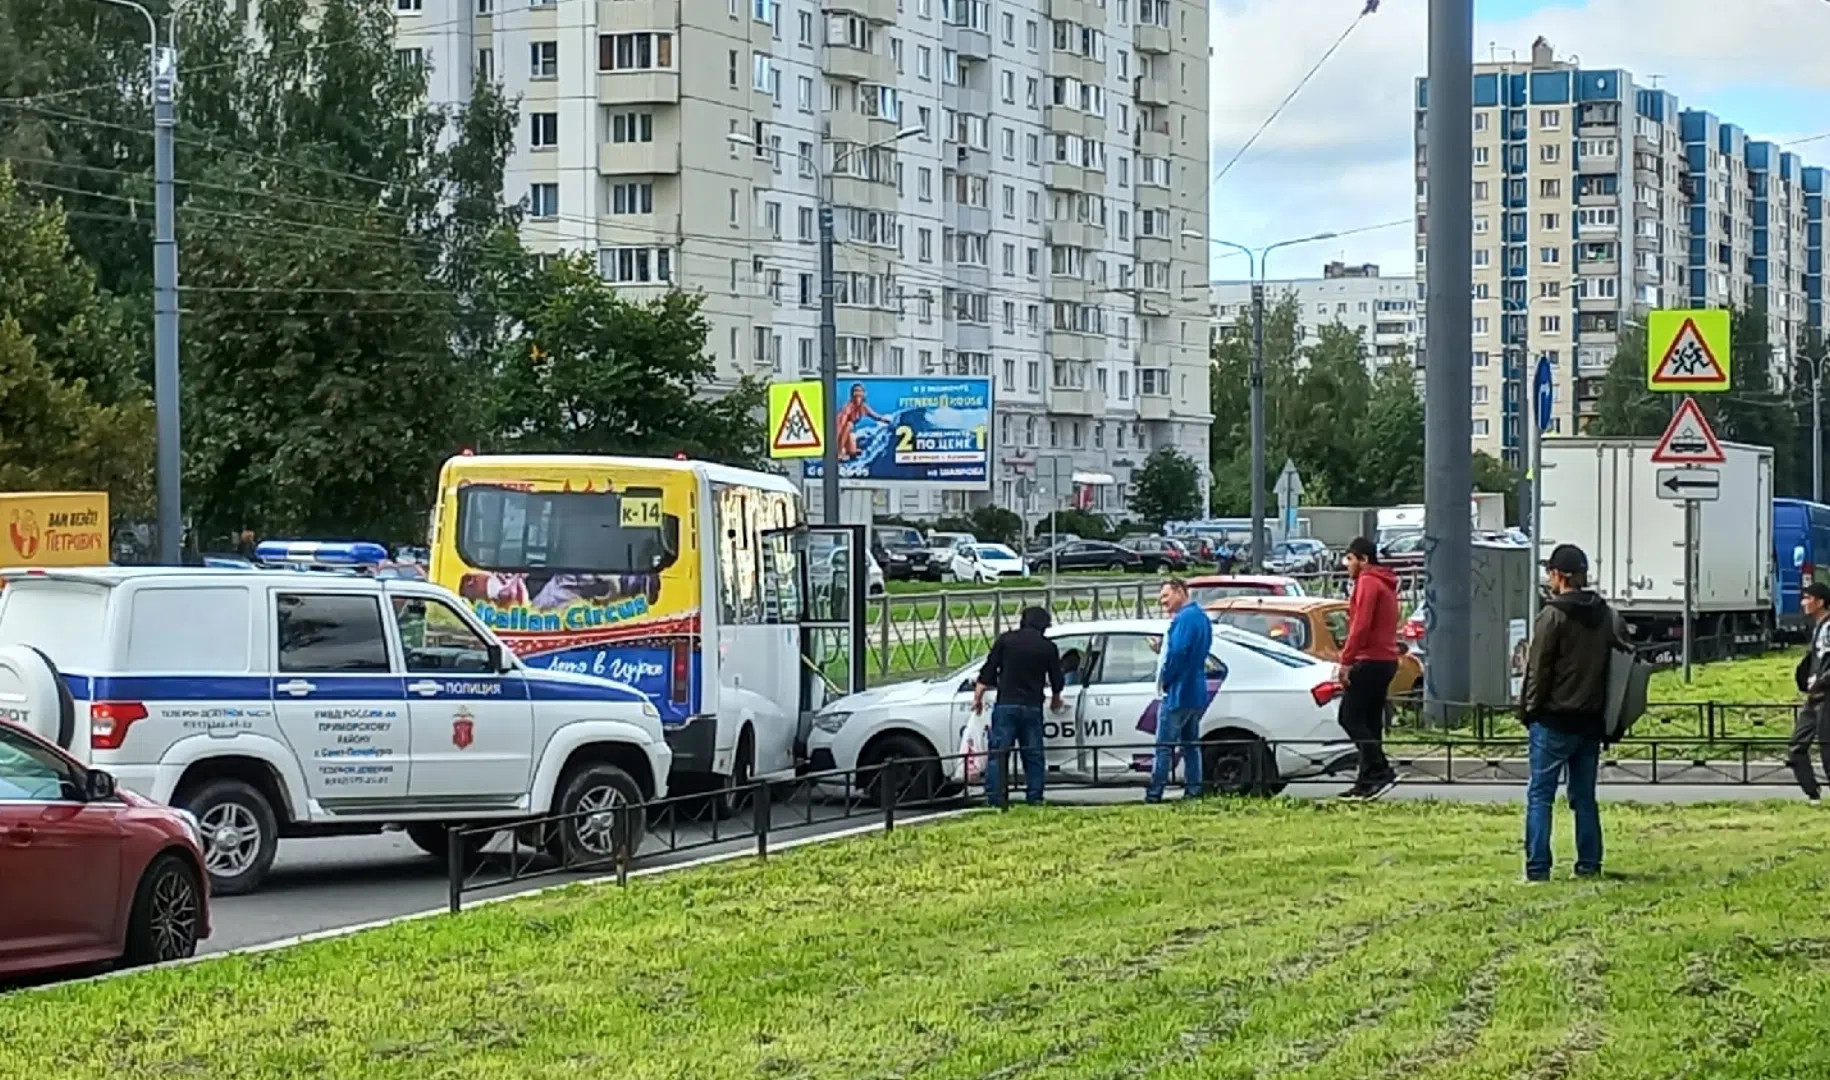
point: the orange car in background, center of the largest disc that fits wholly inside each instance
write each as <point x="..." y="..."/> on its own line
<point x="1316" y="625"/>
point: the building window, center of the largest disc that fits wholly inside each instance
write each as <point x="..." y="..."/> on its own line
<point x="632" y="198"/>
<point x="635" y="52"/>
<point x="543" y="60"/>
<point x="543" y="129"/>
<point x="543" y="201"/>
<point x="486" y="65"/>
<point x="635" y="265"/>
<point x="635" y="127"/>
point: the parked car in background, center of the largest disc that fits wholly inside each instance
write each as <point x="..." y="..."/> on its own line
<point x="1207" y="588"/>
<point x="94" y="873"/>
<point x="1299" y="556"/>
<point x="1414" y="630"/>
<point x="986" y="563"/>
<point x="941" y="548"/>
<point x="1157" y="552"/>
<point x="903" y="554"/>
<point x="1316" y="625"/>
<point x="1403" y="552"/>
<point x="1090" y="555"/>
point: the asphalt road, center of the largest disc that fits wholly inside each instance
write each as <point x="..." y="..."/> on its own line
<point x="321" y="885"/>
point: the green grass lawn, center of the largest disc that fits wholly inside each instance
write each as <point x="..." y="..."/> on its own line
<point x="1222" y="940"/>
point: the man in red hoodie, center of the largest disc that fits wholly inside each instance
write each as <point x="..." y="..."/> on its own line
<point x="1369" y="659"/>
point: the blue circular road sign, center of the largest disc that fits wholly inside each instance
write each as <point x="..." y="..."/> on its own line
<point x="1541" y="393"/>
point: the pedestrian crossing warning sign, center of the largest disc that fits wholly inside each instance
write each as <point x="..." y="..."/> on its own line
<point x="794" y="427"/>
<point x="1687" y="351"/>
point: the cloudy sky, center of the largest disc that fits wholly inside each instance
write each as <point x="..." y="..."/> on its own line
<point x="1339" y="157"/>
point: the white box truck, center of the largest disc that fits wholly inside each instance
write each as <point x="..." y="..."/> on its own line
<point x="1602" y="495"/>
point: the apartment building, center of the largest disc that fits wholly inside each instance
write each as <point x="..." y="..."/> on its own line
<point x="1382" y="309"/>
<point x="1596" y="200"/>
<point x="1040" y="221"/>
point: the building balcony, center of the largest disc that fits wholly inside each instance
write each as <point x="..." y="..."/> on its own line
<point x="864" y="194"/>
<point x="617" y="15"/>
<point x="638" y="158"/>
<point x="1081" y="12"/>
<point x="879" y="11"/>
<point x="638" y="88"/>
<point x="1077" y="234"/>
<point x="1150" y="39"/>
<point x="969" y="43"/>
<point x="967" y="219"/>
<point x="864" y="322"/>
<point x="1065" y="121"/>
<point x="1071" y="345"/>
<point x="1154" y="248"/>
<point x="1597" y="303"/>
<point x="1076" y="401"/>
<point x="660" y="229"/>
<point x="1066" y="177"/>
<point x="1073" y="290"/>
<point x="856" y="65"/>
<point x="1153" y="143"/>
<point x="1153" y="407"/>
<point x="1597" y="199"/>
<point x="1063" y="64"/>
<point x="1152" y="91"/>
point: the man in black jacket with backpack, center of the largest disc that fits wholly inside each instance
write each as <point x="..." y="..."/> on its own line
<point x="1812" y="723"/>
<point x="1565" y="704"/>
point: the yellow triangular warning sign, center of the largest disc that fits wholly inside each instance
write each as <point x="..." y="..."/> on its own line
<point x="1689" y="361"/>
<point x="1688" y="439"/>
<point x="796" y="431"/>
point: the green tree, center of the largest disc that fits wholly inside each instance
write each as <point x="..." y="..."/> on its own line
<point x="72" y="415"/>
<point x="1493" y="475"/>
<point x="1388" y="440"/>
<point x="1167" y="487"/>
<point x="592" y="372"/>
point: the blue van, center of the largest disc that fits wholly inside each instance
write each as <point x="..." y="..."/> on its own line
<point x="1801" y="555"/>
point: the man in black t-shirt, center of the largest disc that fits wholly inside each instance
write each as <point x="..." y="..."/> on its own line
<point x="1021" y="661"/>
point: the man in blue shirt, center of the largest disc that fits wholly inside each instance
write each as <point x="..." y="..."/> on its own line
<point x="1183" y="686"/>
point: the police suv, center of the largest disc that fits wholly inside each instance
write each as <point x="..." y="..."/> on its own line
<point x="273" y="704"/>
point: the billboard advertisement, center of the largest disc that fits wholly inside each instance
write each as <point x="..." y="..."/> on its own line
<point x="894" y="430"/>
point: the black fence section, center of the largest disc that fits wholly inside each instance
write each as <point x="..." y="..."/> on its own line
<point x="1701" y="721"/>
<point x="616" y="838"/>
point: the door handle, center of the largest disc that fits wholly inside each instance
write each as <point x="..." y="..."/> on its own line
<point x="21" y="835"/>
<point x="424" y="687"/>
<point x="296" y="687"/>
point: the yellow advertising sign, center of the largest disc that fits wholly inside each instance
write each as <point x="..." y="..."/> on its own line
<point x="1688" y="351"/>
<point x="795" y="430"/>
<point x="62" y="528"/>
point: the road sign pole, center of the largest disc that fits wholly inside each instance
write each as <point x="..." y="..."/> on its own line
<point x="1690" y="577"/>
<point x="1537" y="519"/>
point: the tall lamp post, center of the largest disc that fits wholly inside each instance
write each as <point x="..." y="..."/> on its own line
<point x="829" y="331"/>
<point x="1817" y="368"/>
<point x="168" y="464"/>
<point x="1255" y="269"/>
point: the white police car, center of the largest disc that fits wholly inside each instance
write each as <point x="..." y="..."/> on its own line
<point x="278" y="705"/>
<point x="1270" y="716"/>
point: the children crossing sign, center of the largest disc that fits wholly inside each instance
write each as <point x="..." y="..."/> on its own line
<point x="794" y="426"/>
<point x="1687" y="351"/>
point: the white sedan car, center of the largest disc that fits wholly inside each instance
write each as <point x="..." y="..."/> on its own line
<point x="986" y="563"/>
<point x="1270" y="719"/>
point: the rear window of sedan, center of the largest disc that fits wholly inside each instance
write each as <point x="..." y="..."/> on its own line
<point x="1285" y="629"/>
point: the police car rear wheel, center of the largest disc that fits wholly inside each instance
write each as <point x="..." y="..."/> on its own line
<point x="240" y="834"/>
<point x="599" y="807"/>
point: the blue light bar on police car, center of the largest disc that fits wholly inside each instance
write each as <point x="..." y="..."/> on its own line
<point x="320" y="553"/>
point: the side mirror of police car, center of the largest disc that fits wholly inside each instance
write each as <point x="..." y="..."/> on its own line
<point x="497" y="662"/>
<point x="99" y="786"/>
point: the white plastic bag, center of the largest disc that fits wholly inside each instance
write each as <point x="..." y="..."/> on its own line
<point x="974" y="741"/>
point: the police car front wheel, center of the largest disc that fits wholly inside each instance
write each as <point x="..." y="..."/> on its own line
<point x="600" y="816"/>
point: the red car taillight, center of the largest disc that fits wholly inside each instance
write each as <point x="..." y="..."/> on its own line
<point x="1325" y="692"/>
<point x="109" y="721"/>
<point x="1411" y="631"/>
<point x="681" y="690"/>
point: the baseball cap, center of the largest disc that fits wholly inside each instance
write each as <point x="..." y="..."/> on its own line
<point x="1819" y="591"/>
<point x="1567" y="559"/>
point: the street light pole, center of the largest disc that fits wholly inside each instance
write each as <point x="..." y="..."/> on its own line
<point x="1816" y="368"/>
<point x="829" y="328"/>
<point x="1255" y="267"/>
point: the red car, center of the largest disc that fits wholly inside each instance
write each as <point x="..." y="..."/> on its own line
<point x="90" y="874"/>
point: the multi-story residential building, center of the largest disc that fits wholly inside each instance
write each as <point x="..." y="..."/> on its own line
<point x="1042" y="223"/>
<point x="1382" y="309"/>
<point x="1597" y="200"/>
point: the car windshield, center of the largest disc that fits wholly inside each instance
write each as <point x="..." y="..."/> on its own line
<point x="995" y="551"/>
<point x="1207" y="594"/>
<point x="1278" y="626"/>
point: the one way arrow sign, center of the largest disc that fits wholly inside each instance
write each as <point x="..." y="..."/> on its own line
<point x="1691" y="485"/>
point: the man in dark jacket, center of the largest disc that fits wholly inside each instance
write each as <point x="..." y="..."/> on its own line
<point x="1021" y="661"/>
<point x="1564" y="703"/>
<point x="1369" y="659"/>
<point x="1812" y="723"/>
